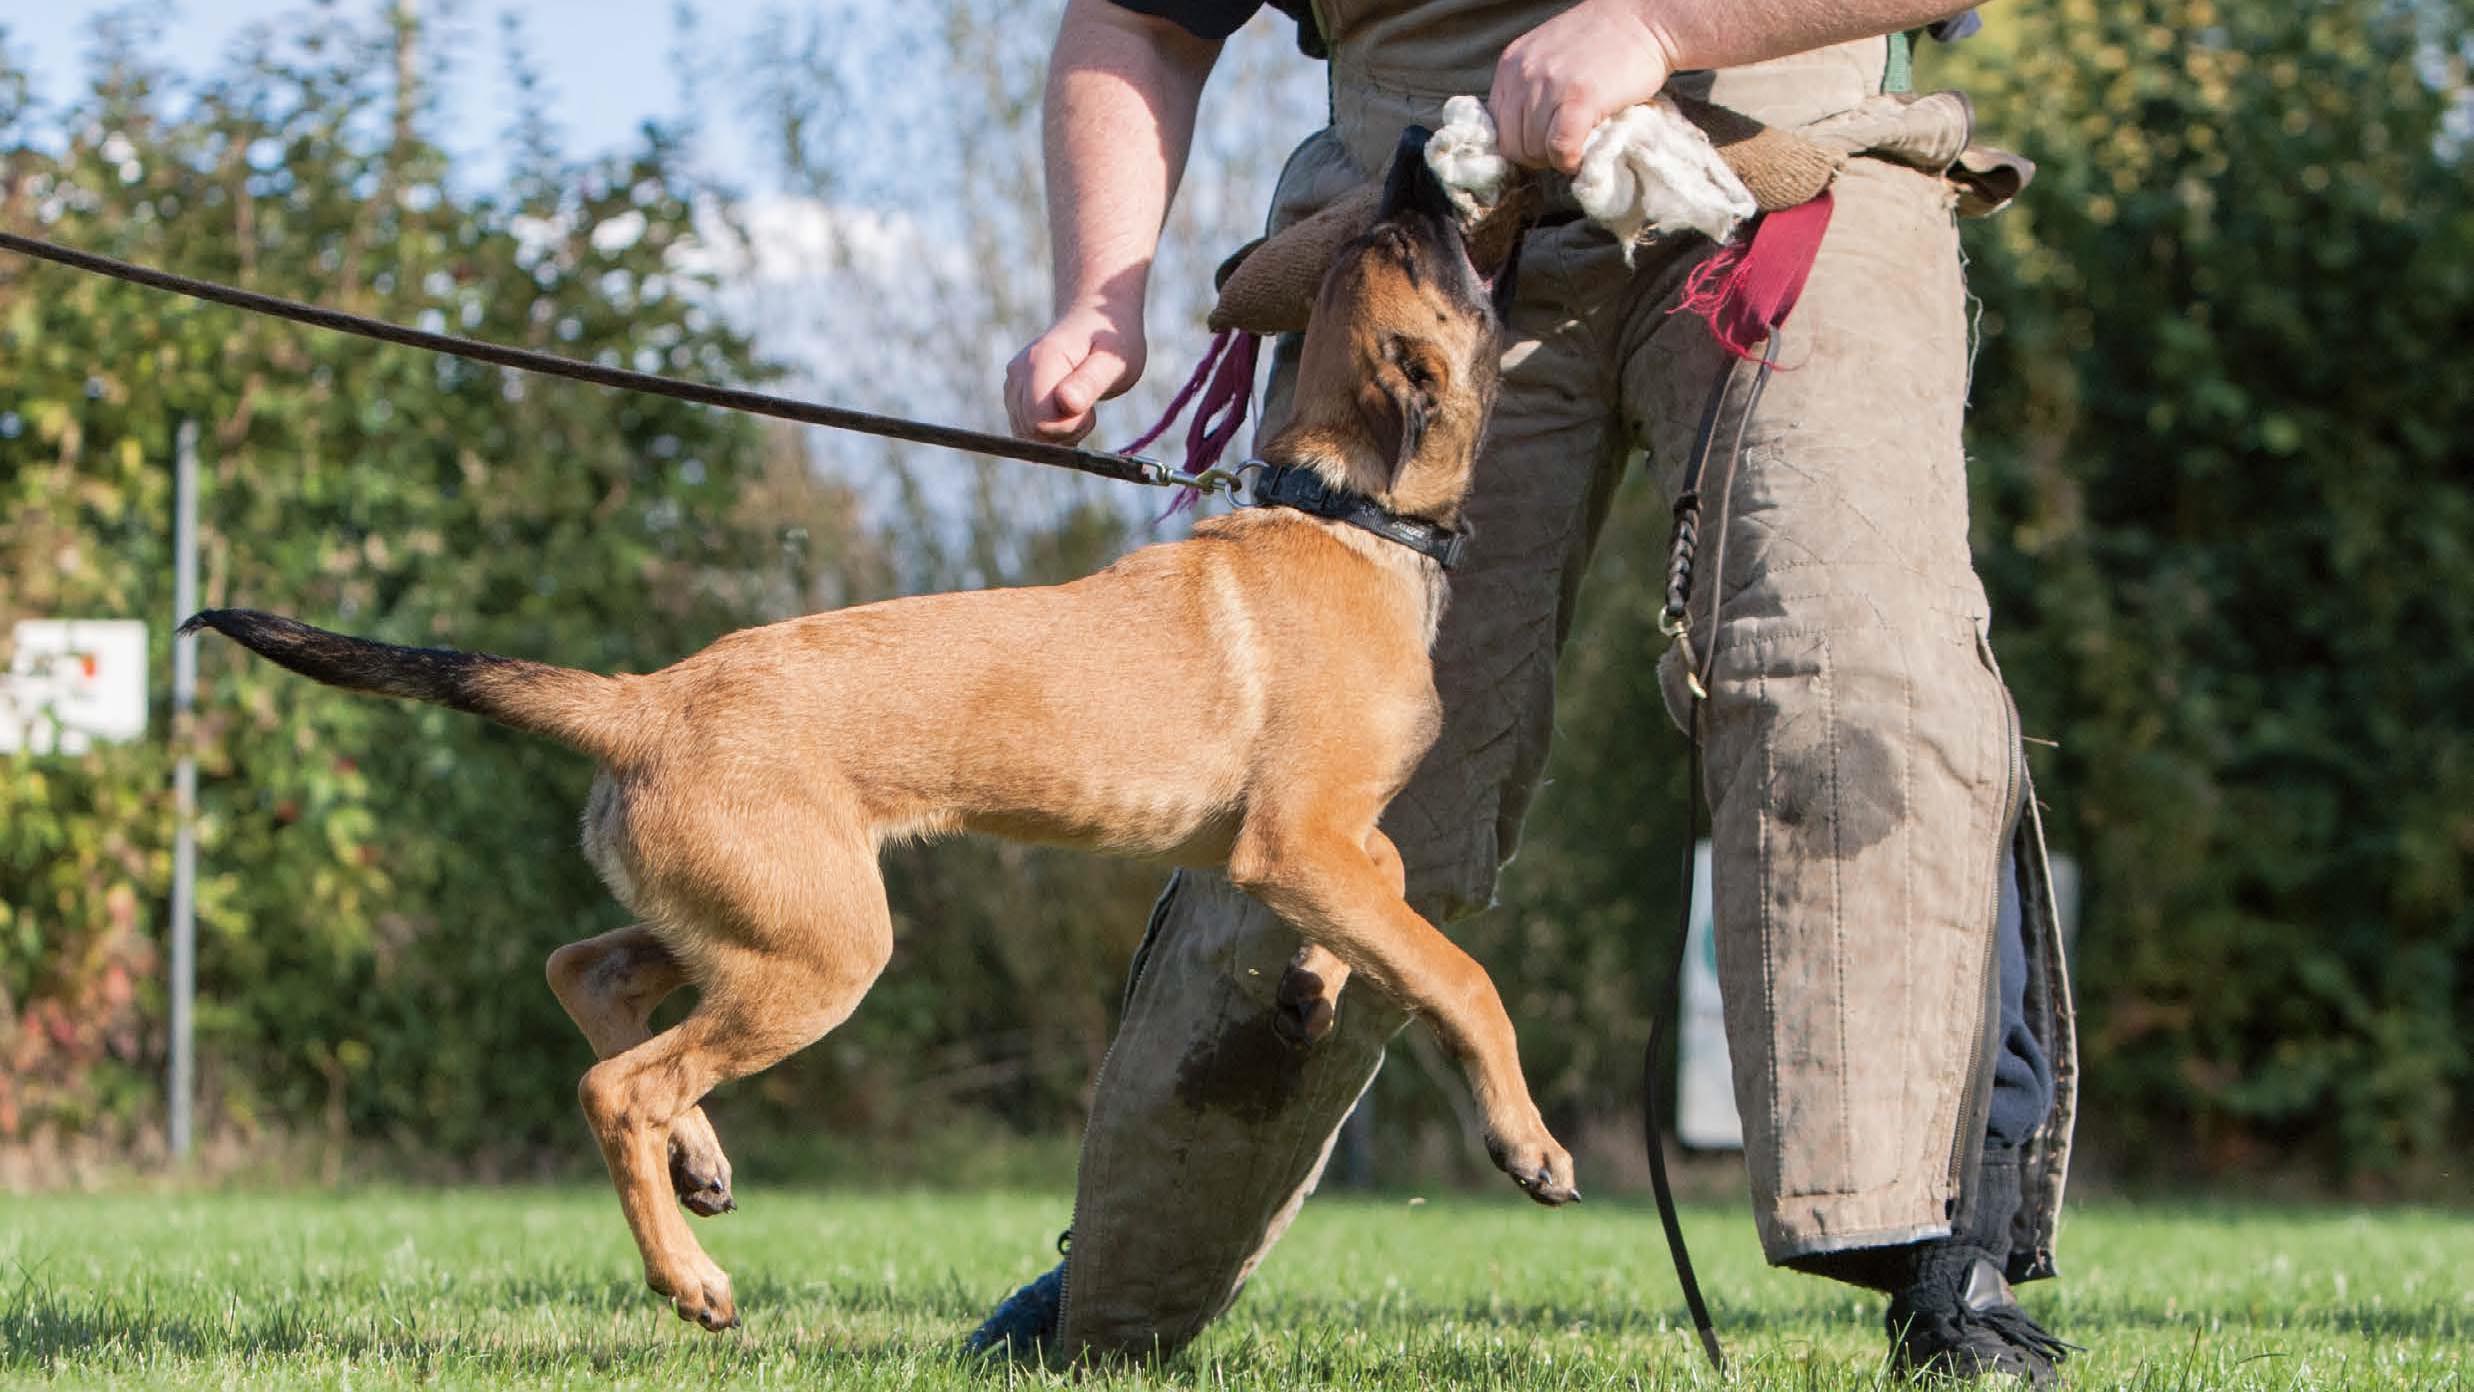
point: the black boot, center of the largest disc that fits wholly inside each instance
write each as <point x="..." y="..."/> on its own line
<point x="1024" y="1324"/>
<point x="1957" y="1319"/>
<point x="1952" y="1315"/>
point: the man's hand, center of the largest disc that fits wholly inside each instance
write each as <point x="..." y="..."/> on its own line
<point x="1084" y="358"/>
<point x="1555" y="83"/>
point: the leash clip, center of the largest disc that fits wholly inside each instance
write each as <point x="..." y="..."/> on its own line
<point x="1237" y="482"/>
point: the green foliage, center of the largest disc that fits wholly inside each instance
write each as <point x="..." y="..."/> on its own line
<point x="2229" y="528"/>
<point x="381" y="882"/>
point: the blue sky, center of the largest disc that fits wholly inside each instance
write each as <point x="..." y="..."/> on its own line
<point x="607" y="62"/>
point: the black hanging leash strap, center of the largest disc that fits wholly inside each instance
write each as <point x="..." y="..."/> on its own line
<point x="1676" y="622"/>
<point x="1125" y="468"/>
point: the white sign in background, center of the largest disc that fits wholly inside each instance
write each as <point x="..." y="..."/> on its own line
<point x="1705" y="1116"/>
<point x="73" y="683"/>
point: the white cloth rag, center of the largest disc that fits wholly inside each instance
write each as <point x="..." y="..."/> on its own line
<point x="1645" y="169"/>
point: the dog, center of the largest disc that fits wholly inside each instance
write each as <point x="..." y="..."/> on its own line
<point x="744" y="792"/>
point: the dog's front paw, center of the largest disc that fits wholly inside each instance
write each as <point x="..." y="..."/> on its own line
<point x="699" y="1171"/>
<point x="1307" y="1002"/>
<point x="1540" y="1167"/>
<point x="700" y="1292"/>
<point x="1303" y="1012"/>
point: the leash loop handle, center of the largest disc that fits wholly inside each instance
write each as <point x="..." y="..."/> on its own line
<point x="1676" y="618"/>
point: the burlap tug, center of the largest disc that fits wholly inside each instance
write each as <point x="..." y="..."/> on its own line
<point x="1269" y="285"/>
<point x="1781" y="169"/>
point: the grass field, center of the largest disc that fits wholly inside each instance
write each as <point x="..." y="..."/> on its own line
<point x="538" y="1288"/>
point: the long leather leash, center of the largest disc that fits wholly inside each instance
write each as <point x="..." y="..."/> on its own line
<point x="1676" y="622"/>
<point x="1124" y="468"/>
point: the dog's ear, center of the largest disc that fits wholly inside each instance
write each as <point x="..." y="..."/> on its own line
<point x="1505" y="283"/>
<point x="1496" y="239"/>
<point x="1396" y="401"/>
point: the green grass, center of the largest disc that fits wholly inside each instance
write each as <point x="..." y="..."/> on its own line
<point x="537" y="1288"/>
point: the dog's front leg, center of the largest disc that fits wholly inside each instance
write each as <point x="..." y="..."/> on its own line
<point x="609" y="986"/>
<point x="1331" y="889"/>
<point x="1307" y="1003"/>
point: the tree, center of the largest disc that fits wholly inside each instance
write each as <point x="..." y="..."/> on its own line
<point x="2229" y="529"/>
<point x="381" y="882"/>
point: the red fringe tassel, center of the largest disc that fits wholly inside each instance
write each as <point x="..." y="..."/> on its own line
<point x="1749" y="286"/>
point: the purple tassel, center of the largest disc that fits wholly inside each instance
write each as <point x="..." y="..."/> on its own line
<point x="1193" y="384"/>
<point x="1225" y="378"/>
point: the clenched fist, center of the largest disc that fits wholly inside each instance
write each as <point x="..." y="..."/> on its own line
<point x="1555" y="83"/>
<point x="1084" y="358"/>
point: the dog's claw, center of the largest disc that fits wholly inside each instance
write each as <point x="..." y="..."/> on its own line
<point x="1544" y="1187"/>
<point x="1546" y="1191"/>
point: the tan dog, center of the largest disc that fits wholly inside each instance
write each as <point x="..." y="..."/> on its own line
<point x="745" y="792"/>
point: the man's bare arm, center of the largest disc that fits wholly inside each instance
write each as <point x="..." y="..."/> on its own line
<point x="1558" y="81"/>
<point x="1119" y="118"/>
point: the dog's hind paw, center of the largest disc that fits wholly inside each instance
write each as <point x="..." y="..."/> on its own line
<point x="704" y="1197"/>
<point x="699" y="1291"/>
<point x="699" y="1172"/>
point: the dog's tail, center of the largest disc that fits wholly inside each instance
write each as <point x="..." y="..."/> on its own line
<point x="578" y="709"/>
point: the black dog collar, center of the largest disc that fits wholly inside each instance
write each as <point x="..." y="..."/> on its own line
<point x="1300" y="487"/>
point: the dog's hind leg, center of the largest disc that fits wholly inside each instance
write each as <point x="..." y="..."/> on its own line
<point x="769" y="988"/>
<point x="609" y="986"/>
<point x="1328" y="886"/>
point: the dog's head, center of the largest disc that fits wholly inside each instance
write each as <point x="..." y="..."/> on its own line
<point x="1399" y="367"/>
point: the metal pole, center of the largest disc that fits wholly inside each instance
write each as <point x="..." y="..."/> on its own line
<point x="184" y="787"/>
